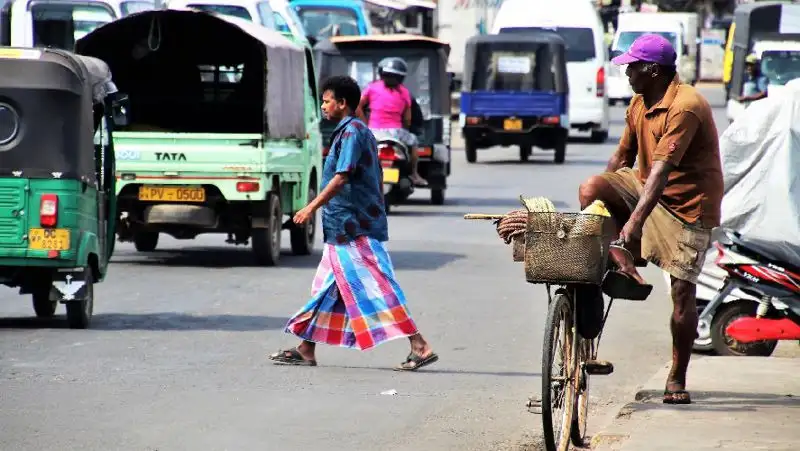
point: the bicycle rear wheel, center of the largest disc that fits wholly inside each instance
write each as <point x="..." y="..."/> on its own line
<point x="558" y="378"/>
<point x="585" y="351"/>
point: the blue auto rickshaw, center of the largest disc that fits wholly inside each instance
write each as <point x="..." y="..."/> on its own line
<point x="515" y="93"/>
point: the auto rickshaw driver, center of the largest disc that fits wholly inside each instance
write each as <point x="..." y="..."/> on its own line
<point x="390" y="105"/>
<point x="755" y="84"/>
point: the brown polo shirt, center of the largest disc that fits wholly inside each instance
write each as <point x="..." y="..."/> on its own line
<point x="679" y="129"/>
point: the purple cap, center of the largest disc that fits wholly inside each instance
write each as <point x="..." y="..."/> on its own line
<point x="649" y="48"/>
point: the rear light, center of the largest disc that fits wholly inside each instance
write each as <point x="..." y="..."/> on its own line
<point x="389" y="153"/>
<point x="720" y="255"/>
<point x="48" y="210"/>
<point x="551" y="120"/>
<point x="247" y="187"/>
<point x="424" y="151"/>
<point x="473" y="120"/>
<point x="325" y="151"/>
<point x="601" y="82"/>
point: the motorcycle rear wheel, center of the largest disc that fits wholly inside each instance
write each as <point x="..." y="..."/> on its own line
<point x="724" y="345"/>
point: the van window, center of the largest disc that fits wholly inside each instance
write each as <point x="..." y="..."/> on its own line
<point x="59" y="25"/>
<point x="133" y="7"/>
<point x="269" y="18"/>
<point x="280" y="23"/>
<point x="780" y="66"/>
<point x="626" y="38"/>
<point x="5" y="24"/>
<point x="225" y="10"/>
<point x="321" y="22"/>
<point x="579" y="41"/>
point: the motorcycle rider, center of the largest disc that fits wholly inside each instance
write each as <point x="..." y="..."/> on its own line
<point x="390" y="105"/>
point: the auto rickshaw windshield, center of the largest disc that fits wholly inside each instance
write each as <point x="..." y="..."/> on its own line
<point x="514" y="70"/>
<point x="780" y="66"/>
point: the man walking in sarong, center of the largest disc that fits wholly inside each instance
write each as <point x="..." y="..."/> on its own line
<point x="355" y="300"/>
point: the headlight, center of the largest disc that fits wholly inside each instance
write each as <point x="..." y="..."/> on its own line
<point x="9" y="123"/>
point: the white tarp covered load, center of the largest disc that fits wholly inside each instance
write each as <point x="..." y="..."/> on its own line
<point x="761" y="168"/>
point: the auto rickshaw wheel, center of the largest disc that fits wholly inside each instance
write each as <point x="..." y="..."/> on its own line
<point x="560" y="150"/>
<point x="79" y="313"/>
<point x="42" y="305"/>
<point x="267" y="240"/>
<point x="302" y="237"/>
<point x="525" y="151"/>
<point x="437" y="196"/>
<point x="471" y="151"/>
<point x="145" y="241"/>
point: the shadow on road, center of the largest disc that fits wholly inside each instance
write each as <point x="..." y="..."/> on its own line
<point x="543" y="161"/>
<point x="167" y="321"/>
<point x="433" y="370"/>
<point x="243" y="258"/>
<point x="716" y="401"/>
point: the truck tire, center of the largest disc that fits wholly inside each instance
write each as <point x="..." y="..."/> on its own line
<point x="145" y="241"/>
<point x="525" y="152"/>
<point x="42" y="305"/>
<point x="79" y="313"/>
<point x="560" y="150"/>
<point x="267" y="240"/>
<point x="302" y="236"/>
<point x="471" y="151"/>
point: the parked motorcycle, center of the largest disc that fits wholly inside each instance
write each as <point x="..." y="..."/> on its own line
<point x="733" y="326"/>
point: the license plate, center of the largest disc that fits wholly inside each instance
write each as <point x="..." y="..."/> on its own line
<point x="48" y="239"/>
<point x="512" y="124"/>
<point x="391" y="175"/>
<point x="172" y="194"/>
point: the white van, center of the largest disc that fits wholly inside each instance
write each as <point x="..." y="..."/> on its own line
<point x="578" y="23"/>
<point x="258" y="11"/>
<point x="59" y="23"/>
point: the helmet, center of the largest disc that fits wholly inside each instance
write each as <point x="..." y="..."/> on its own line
<point x="751" y="59"/>
<point x="393" y="65"/>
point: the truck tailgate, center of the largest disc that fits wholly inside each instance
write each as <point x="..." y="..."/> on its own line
<point x="511" y="103"/>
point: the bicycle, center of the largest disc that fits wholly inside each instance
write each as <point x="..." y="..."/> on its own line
<point x="567" y="390"/>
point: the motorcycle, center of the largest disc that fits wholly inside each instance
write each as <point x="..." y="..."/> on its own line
<point x="733" y="326"/>
<point x="394" y="156"/>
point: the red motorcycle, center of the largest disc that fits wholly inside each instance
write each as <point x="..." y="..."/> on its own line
<point x="743" y="327"/>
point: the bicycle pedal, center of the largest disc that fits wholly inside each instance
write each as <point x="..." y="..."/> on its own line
<point x="598" y="367"/>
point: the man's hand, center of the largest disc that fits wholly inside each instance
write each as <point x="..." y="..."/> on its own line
<point x="304" y="215"/>
<point x="631" y="231"/>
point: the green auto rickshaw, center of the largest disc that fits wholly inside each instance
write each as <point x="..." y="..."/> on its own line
<point x="57" y="197"/>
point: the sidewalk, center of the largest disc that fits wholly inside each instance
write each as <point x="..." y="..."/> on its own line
<point x="739" y="404"/>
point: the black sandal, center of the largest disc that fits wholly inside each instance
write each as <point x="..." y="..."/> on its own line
<point x="618" y="285"/>
<point x="414" y="362"/>
<point x="677" y="397"/>
<point x="291" y="357"/>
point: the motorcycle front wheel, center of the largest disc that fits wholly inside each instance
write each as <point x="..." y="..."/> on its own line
<point x="725" y="345"/>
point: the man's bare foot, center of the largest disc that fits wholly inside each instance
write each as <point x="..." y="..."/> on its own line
<point x="626" y="264"/>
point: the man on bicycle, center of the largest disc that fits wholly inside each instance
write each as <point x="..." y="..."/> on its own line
<point x="666" y="207"/>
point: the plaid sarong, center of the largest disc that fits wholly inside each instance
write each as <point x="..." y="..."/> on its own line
<point x="355" y="300"/>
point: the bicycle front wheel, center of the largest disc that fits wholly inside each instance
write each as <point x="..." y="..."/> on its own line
<point x="558" y="373"/>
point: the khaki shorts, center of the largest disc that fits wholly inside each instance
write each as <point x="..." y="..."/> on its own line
<point x="673" y="245"/>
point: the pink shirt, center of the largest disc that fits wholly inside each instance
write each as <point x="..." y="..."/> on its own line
<point x="386" y="105"/>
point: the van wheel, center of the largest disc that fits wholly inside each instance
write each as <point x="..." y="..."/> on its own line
<point x="302" y="236"/>
<point x="599" y="136"/>
<point x="560" y="150"/>
<point x="267" y="241"/>
<point x="79" y="313"/>
<point x="525" y="152"/>
<point x="471" y="151"/>
<point x="42" y="305"/>
<point x="145" y="241"/>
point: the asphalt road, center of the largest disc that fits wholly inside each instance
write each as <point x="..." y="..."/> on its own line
<point x="175" y="359"/>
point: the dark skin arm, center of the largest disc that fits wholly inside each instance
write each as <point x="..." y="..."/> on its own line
<point x="653" y="189"/>
<point x="754" y="97"/>
<point x="360" y="109"/>
<point x="625" y="156"/>
<point x="407" y="117"/>
<point x="330" y="191"/>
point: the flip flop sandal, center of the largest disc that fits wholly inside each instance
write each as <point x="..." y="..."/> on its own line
<point x="677" y="397"/>
<point x="618" y="285"/>
<point x="291" y="357"/>
<point x="417" y="361"/>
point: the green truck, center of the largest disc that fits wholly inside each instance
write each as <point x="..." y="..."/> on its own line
<point x="223" y="135"/>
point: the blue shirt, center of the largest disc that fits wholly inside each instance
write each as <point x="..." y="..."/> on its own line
<point x="754" y="85"/>
<point x="358" y="208"/>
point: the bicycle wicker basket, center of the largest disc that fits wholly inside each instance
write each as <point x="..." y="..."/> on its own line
<point x="566" y="247"/>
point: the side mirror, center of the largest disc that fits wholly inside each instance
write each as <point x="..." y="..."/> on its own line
<point x="119" y="110"/>
<point x="614" y="53"/>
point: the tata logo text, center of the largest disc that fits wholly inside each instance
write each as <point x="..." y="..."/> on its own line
<point x="170" y="156"/>
<point x="128" y="155"/>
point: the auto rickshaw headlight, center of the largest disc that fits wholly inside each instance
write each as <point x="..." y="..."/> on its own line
<point x="9" y="123"/>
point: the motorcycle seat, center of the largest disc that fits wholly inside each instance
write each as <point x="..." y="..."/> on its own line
<point x="761" y="251"/>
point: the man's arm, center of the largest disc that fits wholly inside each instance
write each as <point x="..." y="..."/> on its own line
<point x="681" y="130"/>
<point x="349" y="153"/>
<point x="625" y="156"/>
<point x="330" y="191"/>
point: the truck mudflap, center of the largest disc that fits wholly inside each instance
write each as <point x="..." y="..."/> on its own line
<point x="70" y="284"/>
